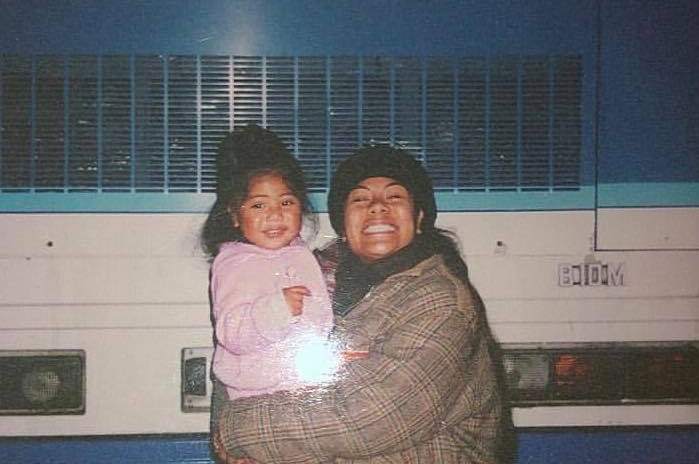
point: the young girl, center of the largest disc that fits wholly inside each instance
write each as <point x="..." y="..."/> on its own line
<point x="270" y="306"/>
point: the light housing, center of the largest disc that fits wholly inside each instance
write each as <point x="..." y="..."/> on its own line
<point x="613" y="373"/>
<point x="196" y="380"/>
<point x="38" y="382"/>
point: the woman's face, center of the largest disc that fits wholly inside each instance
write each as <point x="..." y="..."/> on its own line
<point x="379" y="218"/>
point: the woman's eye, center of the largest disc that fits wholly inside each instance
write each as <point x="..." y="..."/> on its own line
<point x="257" y="206"/>
<point x="288" y="202"/>
<point x="396" y="193"/>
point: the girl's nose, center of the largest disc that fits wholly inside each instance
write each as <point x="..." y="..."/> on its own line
<point x="274" y="211"/>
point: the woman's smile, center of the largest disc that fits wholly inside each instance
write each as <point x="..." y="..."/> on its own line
<point x="379" y="228"/>
<point x="380" y="218"/>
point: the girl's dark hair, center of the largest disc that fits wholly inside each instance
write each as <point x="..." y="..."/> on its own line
<point x="243" y="154"/>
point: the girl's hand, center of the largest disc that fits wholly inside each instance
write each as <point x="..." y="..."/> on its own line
<point x="294" y="298"/>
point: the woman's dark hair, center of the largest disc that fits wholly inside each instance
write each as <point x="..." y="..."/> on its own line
<point x="243" y="154"/>
<point x="401" y="166"/>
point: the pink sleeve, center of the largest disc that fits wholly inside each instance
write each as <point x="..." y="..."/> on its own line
<point x="243" y="323"/>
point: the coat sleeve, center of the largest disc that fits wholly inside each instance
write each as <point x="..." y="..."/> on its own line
<point x="398" y="397"/>
<point x="245" y="324"/>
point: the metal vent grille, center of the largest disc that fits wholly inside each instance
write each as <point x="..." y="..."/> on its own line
<point x="152" y="123"/>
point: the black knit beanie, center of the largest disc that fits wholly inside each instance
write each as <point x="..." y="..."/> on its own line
<point x="381" y="161"/>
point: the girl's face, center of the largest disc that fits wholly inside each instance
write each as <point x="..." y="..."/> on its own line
<point x="270" y="215"/>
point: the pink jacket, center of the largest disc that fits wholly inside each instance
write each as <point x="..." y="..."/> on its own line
<point x="258" y="341"/>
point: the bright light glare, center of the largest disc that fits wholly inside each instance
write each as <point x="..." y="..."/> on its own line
<point x="316" y="360"/>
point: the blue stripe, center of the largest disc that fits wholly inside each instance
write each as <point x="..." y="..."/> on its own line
<point x="93" y="202"/>
<point x="108" y="450"/>
<point x="516" y="200"/>
<point x="648" y="194"/>
<point x="603" y="445"/>
<point x="609" y="196"/>
<point x="156" y="202"/>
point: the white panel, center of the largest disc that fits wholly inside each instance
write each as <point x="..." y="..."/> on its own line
<point x="133" y="381"/>
<point x="166" y="315"/>
<point x="54" y="235"/>
<point x="131" y="290"/>
<point x="647" y="274"/>
<point x="627" y="415"/>
<point x="594" y="320"/>
<point x="103" y="280"/>
<point x="648" y="228"/>
<point x="30" y="235"/>
<point x="521" y="233"/>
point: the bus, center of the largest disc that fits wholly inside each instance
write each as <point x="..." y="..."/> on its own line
<point x="562" y="139"/>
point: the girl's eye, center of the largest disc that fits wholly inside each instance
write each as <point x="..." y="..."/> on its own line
<point x="289" y="202"/>
<point x="257" y="206"/>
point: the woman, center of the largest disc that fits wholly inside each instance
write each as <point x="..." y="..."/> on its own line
<point x="428" y="390"/>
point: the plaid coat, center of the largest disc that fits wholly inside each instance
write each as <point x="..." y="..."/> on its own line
<point x="427" y="393"/>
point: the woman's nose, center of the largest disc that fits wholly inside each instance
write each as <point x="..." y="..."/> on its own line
<point x="378" y="205"/>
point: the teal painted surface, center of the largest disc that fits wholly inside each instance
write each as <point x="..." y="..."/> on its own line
<point x="649" y="194"/>
<point x="105" y="202"/>
<point x="517" y="200"/>
<point x="200" y="203"/>
<point x="631" y="195"/>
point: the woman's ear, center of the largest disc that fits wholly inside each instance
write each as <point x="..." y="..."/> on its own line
<point x="418" y="222"/>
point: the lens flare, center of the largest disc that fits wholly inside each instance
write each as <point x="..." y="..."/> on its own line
<point x="316" y="360"/>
